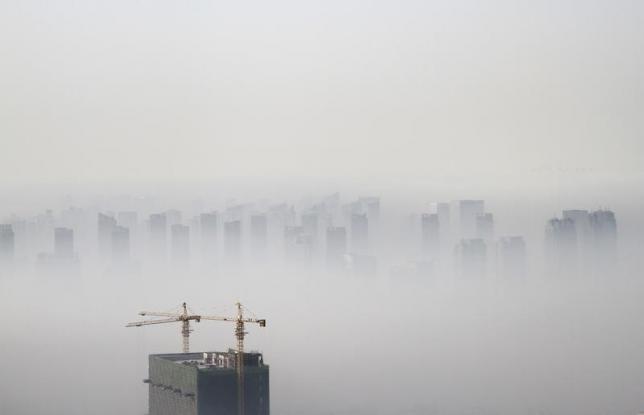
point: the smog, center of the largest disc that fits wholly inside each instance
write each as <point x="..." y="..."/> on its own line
<point x="436" y="207"/>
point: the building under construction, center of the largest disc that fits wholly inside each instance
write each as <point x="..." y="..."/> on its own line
<point x="206" y="384"/>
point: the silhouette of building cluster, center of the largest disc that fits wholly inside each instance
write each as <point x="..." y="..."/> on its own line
<point x="445" y="238"/>
<point x="581" y="242"/>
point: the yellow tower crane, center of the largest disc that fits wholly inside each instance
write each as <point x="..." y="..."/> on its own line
<point x="183" y="316"/>
<point x="240" y="322"/>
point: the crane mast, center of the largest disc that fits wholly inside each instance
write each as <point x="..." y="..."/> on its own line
<point x="240" y="325"/>
<point x="239" y="333"/>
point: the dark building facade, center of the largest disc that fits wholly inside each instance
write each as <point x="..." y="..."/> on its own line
<point x="511" y="256"/>
<point x="468" y="211"/>
<point x="336" y="246"/>
<point x="7" y="242"/>
<point x="208" y="223"/>
<point x="63" y="243"/>
<point x="206" y="384"/>
<point x="471" y="256"/>
<point x="258" y="235"/>
<point x="233" y="240"/>
<point x="430" y="234"/>
<point x="603" y="231"/>
<point x="359" y="233"/>
<point x="485" y="226"/>
<point x="158" y="232"/>
<point x="561" y="246"/>
<point x="310" y="226"/>
<point x="120" y="244"/>
<point x="106" y="224"/>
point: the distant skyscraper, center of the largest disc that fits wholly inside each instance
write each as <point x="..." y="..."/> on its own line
<point x="208" y="228"/>
<point x="468" y="211"/>
<point x="310" y="223"/>
<point x="173" y="217"/>
<point x="129" y="219"/>
<point x="371" y="205"/>
<point x="485" y="227"/>
<point x="297" y="245"/>
<point x="72" y="217"/>
<point x="180" y="242"/>
<point x="359" y="233"/>
<point x="336" y="246"/>
<point x="430" y="235"/>
<point x="442" y="210"/>
<point x="233" y="240"/>
<point x="581" y="220"/>
<point x="561" y="245"/>
<point x="580" y="217"/>
<point x="7" y="243"/>
<point x="471" y="256"/>
<point x="120" y="244"/>
<point x="106" y="224"/>
<point x="512" y="256"/>
<point x="258" y="235"/>
<point x="63" y="243"/>
<point x="603" y="229"/>
<point x="236" y="212"/>
<point x="158" y="232"/>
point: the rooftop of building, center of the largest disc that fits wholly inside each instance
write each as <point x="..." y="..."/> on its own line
<point x="213" y="360"/>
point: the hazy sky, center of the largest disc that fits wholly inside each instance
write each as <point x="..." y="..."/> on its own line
<point x="123" y="91"/>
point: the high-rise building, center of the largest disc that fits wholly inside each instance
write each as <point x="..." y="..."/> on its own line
<point x="359" y="233"/>
<point x="485" y="227"/>
<point x="120" y="244"/>
<point x="233" y="240"/>
<point x="581" y="219"/>
<point x="310" y="224"/>
<point x="63" y="243"/>
<point x="258" y="235"/>
<point x="106" y="224"/>
<point x="297" y="245"/>
<point x="180" y="242"/>
<point x="173" y="217"/>
<point x="7" y="243"/>
<point x="468" y="211"/>
<point x="511" y="256"/>
<point x="336" y="246"/>
<point x="72" y="217"/>
<point x="206" y="384"/>
<point x="208" y="230"/>
<point x="603" y="230"/>
<point x="236" y="212"/>
<point x="471" y="257"/>
<point x="371" y="205"/>
<point x="129" y="219"/>
<point x="158" y="232"/>
<point x="442" y="210"/>
<point x="561" y="246"/>
<point x="430" y="235"/>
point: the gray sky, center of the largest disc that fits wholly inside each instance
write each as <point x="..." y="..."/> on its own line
<point x="123" y="91"/>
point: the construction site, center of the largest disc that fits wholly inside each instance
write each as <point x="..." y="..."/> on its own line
<point x="206" y="383"/>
